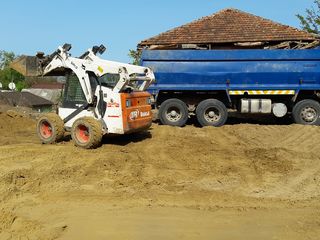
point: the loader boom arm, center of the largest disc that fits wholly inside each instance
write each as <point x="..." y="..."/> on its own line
<point x="62" y="59"/>
<point x="88" y="62"/>
<point x="127" y="72"/>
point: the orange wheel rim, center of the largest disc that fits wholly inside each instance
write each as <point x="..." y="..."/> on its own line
<point x="82" y="133"/>
<point x="46" y="129"/>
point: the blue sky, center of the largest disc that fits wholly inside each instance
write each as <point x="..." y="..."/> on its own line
<point x="42" y="25"/>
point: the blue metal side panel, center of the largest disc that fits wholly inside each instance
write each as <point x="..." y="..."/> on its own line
<point x="234" y="69"/>
<point x="230" y="55"/>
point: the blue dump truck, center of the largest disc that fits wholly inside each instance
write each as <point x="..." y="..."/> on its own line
<point x="212" y="83"/>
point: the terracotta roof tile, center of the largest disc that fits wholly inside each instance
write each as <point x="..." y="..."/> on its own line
<point x="228" y="26"/>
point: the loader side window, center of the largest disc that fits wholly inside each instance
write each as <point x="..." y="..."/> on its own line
<point x="109" y="80"/>
<point x="73" y="92"/>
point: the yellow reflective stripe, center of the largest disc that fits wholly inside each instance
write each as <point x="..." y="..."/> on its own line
<point x="236" y="92"/>
<point x="262" y="92"/>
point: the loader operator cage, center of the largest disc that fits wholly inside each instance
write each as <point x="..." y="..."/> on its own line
<point x="73" y="93"/>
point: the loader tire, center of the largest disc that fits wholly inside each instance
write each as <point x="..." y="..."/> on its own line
<point x="87" y="133"/>
<point x="173" y="112"/>
<point x="50" y="128"/>
<point x="307" y="112"/>
<point x="211" y="112"/>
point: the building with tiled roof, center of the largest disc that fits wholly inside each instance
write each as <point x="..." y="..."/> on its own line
<point x="231" y="28"/>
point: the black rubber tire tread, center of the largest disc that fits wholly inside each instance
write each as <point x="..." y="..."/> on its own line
<point x="201" y="108"/>
<point x="170" y="103"/>
<point x="95" y="132"/>
<point x="296" y="111"/>
<point x="57" y="125"/>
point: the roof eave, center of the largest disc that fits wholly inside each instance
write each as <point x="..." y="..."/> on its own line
<point x="227" y="42"/>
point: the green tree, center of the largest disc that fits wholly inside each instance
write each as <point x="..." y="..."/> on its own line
<point x="135" y="55"/>
<point x="311" y="22"/>
<point x="7" y="74"/>
<point x="6" y="58"/>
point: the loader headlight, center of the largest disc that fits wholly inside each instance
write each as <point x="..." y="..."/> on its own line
<point x="128" y="103"/>
<point x="149" y="101"/>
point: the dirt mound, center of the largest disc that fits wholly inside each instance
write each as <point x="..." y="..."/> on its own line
<point x="243" y="173"/>
<point x="16" y="128"/>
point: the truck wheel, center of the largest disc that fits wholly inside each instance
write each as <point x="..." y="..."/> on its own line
<point x="50" y="128"/>
<point x="86" y="132"/>
<point x="212" y="112"/>
<point x="173" y="112"/>
<point x="307" y="112"/>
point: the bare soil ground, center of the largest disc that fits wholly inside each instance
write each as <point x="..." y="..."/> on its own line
<point x="241" y="181"/>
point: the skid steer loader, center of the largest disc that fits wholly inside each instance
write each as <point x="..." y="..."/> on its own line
<point x="100" y="97"/>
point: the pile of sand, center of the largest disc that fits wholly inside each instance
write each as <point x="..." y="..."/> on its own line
<point x="238" y="181"/>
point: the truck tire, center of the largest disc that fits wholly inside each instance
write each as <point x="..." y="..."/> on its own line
<point x="50" y="128"/>
<point x="211" y="112"/>
<point x="87" y="133"/>
<point x="173" y="112"/>
<point x="307" y="112"/>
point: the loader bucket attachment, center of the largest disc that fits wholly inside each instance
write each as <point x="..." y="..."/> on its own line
<point x="28" y="66"/>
